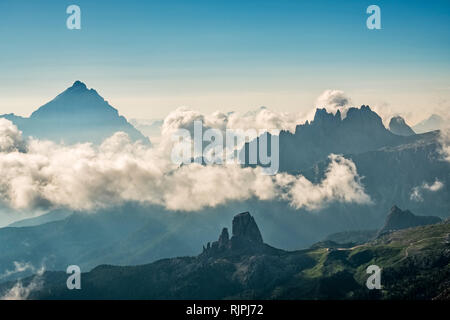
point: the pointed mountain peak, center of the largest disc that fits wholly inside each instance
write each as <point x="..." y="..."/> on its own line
<point x="79" y="114"/>
<point x="79" y="84"/>
<point x="79" y="87"/>
<point x="398" y="219"/>
<point x="398" y="126"/>
<point x="322" y="115"/>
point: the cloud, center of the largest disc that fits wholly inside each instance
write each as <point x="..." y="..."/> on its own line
<point x="21" y="292"/>
<point x="260" y="119"/>
<point x="88" y="177"/>
<point x="334" y="100"/>
<point x="10" y="137"/>
<point x="341" y="184"/>
<point x="416" y="193"/>
<point x="19" y="267"/>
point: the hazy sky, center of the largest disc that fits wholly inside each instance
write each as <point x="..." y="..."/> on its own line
<point x="149" y="57"/>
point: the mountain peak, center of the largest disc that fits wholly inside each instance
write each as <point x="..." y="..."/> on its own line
<point x="398" y="126"/>
<point x="322" y="115"/>
<point x="79" y="84"/>
<point x="246" y="239"/>
<point x="398" y="219"/>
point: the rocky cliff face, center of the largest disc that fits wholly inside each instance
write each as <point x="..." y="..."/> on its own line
<point x="246" y="239"/>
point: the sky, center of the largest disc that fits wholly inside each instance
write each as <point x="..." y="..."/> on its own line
<point x="149" y="57"/>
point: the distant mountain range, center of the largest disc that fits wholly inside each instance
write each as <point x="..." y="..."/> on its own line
<point x="415" y="265"/>
<point x="434" y="122"/>
<point x="399" y="219"/>
<point x="76" y="115"/>
<point x="362" y="130"/>
<point x="391" y="166"/>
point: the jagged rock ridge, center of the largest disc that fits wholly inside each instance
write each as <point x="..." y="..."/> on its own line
<point x="402" y="219"/>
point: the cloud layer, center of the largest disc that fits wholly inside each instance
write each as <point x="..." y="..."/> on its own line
<point x="43" y="174"/>
<point x="20" y="291"/>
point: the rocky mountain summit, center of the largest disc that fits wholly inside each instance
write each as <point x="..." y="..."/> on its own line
<point x="78" y="114"/>
<point x="246" y="239"/>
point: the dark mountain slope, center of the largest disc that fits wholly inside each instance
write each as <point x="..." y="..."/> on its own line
<point x="125" y="235"/>
<point x="415" y="264"/>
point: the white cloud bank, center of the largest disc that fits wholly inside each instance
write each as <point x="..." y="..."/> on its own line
<point x="21" y="292"/>
<point x="19" y="267"/>
<point x="43" y="174"/>
<point x="260" y="119"/>
<point x="334" y="100"/>
<point x="10" y="137"/>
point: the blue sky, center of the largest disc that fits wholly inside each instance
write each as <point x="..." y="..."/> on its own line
<point x="149" y="57"/>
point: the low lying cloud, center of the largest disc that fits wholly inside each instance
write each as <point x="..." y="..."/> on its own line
<point x="10" y="137"/>
<point x="416" y="194"/>
<point x="20" y="291"/>
<point x="87" y="177"/>
<point x="260" y="119"/>
<point x="334" y="100"/>
<point x="341" y="184"/>
<point x="444" y="140"/>
<point x="19" y="267"/>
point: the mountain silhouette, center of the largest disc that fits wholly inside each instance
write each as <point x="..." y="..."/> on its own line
<point x="398" y="126"/>
<point x="360" y="131"/>
<point x="78" y="114"/>
<point x="246" y="239"/>
<point x="399" y="219"/>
